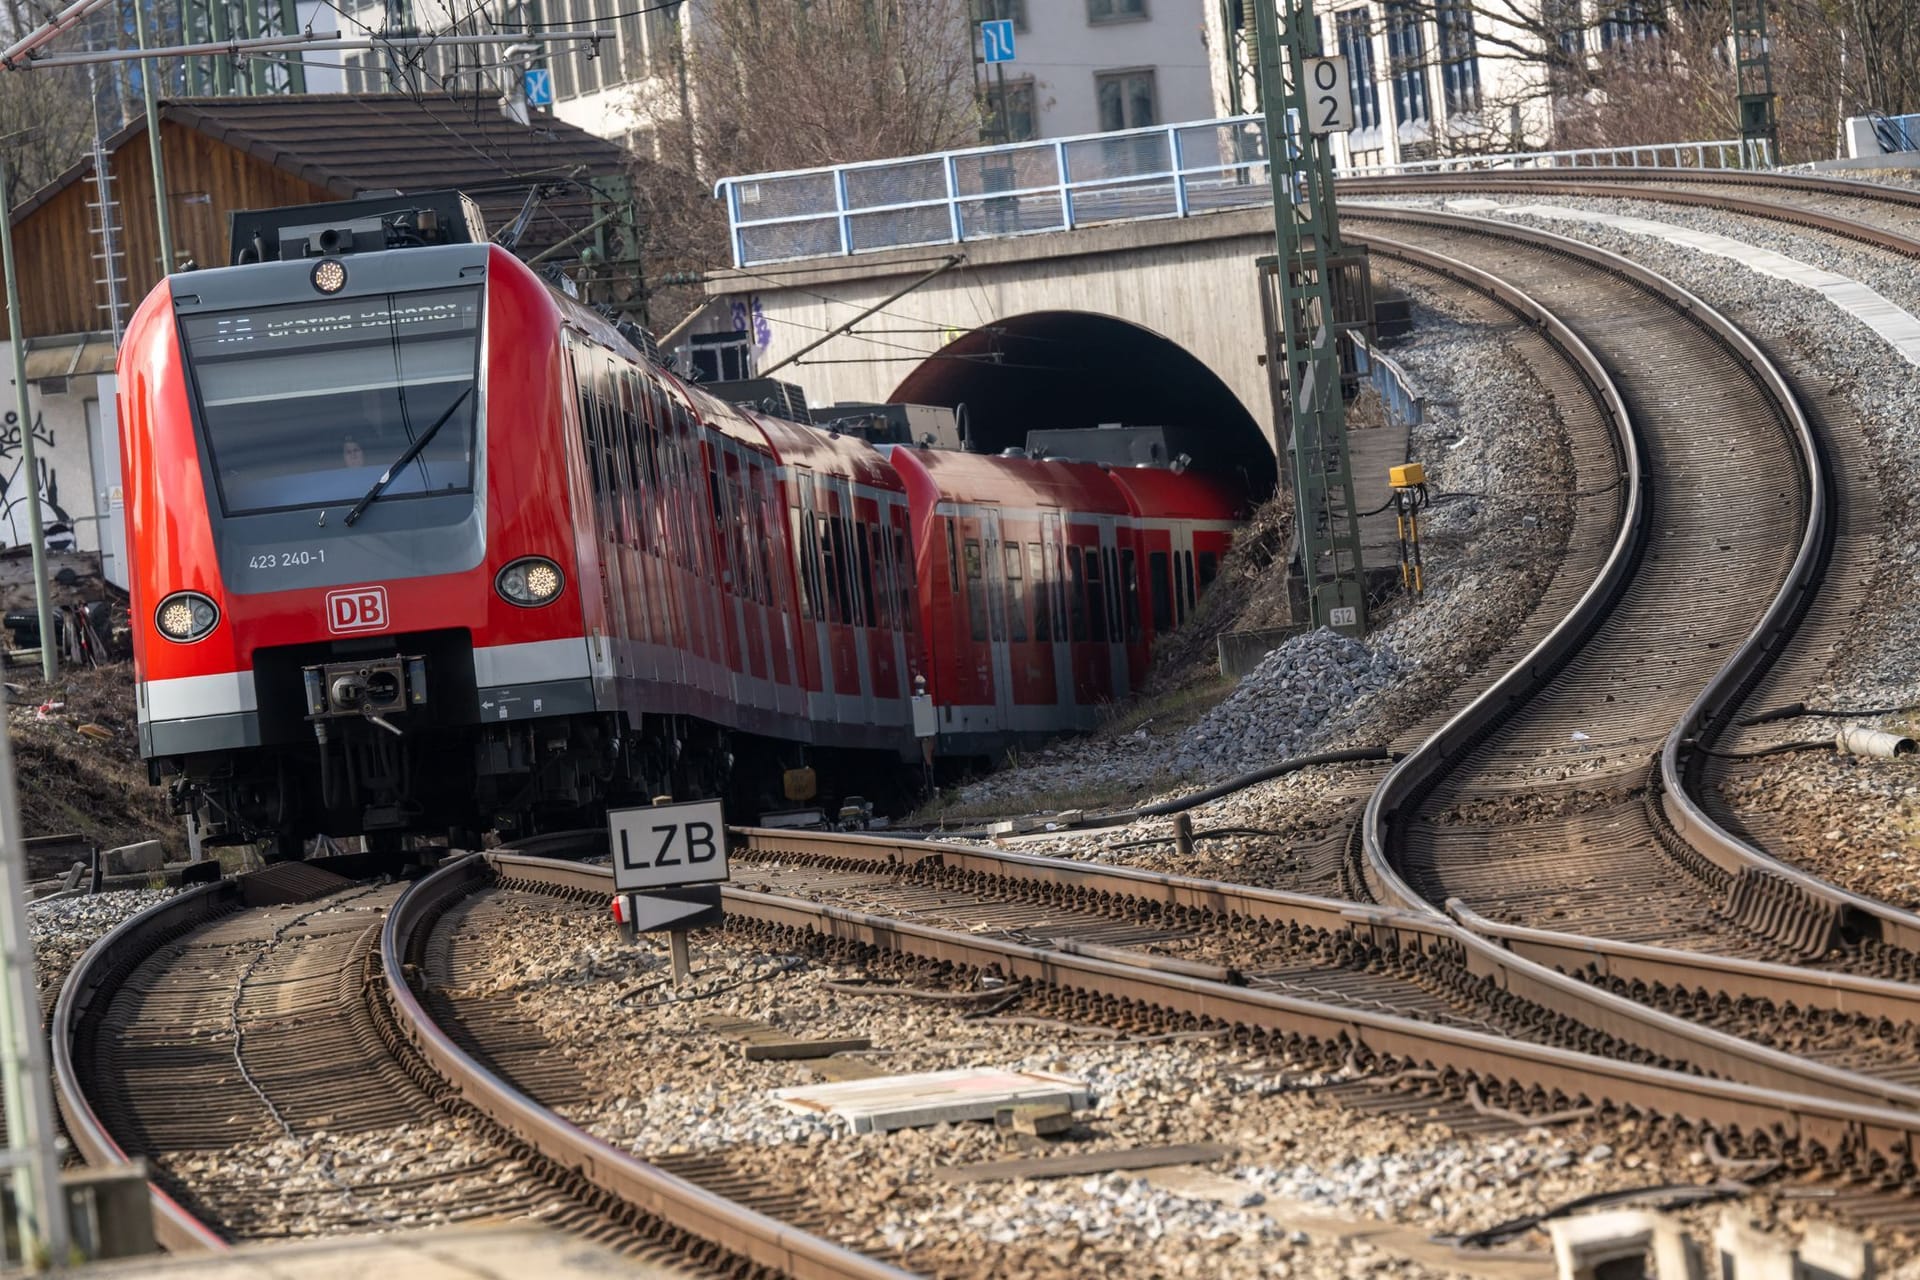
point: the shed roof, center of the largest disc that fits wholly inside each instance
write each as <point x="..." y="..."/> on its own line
<point x="353" y="144"/>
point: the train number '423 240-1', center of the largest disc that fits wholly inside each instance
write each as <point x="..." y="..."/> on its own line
<point x="286" y="559"/>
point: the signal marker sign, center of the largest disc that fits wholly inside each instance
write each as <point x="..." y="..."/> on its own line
<point x="671" y="844"/>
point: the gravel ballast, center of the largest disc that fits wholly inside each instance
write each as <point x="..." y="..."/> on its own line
<point x="666" y="1083"/>
<point x="1496" y="456"/>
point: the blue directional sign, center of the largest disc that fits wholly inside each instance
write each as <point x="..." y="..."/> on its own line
<point x="538" y="84"/>
<point x="996" y="38"/>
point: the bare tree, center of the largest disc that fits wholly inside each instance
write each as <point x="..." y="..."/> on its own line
<point x="766" y="85"/>
<point x="46" y="124"/>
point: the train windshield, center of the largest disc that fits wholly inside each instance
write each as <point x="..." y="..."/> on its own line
<point x="304" y="405"/>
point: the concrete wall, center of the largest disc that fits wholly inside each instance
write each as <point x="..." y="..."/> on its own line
<point x="1191" y="281"/>
<point x="64" y="454"/>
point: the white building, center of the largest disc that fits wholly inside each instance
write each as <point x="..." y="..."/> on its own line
<point x="1430" y="78"/>
<point x="1080" y="66"/>
<point x="1091" y="66"/>
<point x="594" y="85"/>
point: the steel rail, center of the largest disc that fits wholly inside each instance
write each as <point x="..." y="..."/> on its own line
<point x="1853" y="1134"/>
<point x="1479" y="179"/>
<point x="1841" y="913"/>
<point x="741" y="1231"/>
<point x="1507" y="966"/>
<point x="1417" y="772"/>
<point x="91" y="980"/>
<point x="1812" y="219"/>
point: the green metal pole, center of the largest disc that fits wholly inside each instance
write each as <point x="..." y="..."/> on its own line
<point x="29" y="465"/>
<point x="148" y="70"/>
<point x="1306" y="235"/>
<point x="39" y="1200"/>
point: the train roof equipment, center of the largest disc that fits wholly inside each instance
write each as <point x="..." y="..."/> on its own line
<point x="371" y="224"/>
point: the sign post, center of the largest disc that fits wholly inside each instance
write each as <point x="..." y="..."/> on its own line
<point x="668" y="864"/>
<point x="996" y="51"/>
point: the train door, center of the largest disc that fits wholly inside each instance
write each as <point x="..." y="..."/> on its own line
<point x="1029" y="643"/>
<point x="906" y="601"/>
<point x="589" y="539"/>
<point x="1111" y="538"/>
<point x="1086" y="585"/>
<point x="816" y="676"/>
<point x="611" y="486"/>
<point x="845" y="653"/>
<point x="1050" y="575"/>
<point x="998" y="623"/>
<point x="972" y="634"/>
<point x="877" y="597"/>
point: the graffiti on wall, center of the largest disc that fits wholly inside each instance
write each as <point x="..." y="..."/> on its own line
<point x="14" y="520"/>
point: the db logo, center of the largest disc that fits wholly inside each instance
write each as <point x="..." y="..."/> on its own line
<point x="361" y="609"/>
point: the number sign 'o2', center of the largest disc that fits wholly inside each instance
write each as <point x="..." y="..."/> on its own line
<point x="668" y="844"/>
<point x="1329" y="100"/>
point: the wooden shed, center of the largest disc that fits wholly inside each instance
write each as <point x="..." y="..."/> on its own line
<point x="225" y="154"/>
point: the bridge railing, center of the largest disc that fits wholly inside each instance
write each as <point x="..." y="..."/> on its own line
<point x="1058" y="184"/>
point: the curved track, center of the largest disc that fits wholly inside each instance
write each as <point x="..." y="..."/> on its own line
<point x="276" y="1012"/>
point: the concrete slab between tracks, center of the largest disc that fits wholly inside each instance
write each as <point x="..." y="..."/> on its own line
<point x="452" y="1253"/>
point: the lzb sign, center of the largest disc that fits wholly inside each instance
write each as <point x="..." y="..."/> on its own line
<point x="670" y="844"/>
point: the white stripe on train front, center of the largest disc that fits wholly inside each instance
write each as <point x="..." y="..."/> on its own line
<point x="232" y="692"/>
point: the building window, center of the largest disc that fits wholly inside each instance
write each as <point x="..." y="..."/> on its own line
<point x="1406" y="56"/>
<point x="1010" y="111"/>
<point x="1115" y="10"/>
<point x="997" y="10"/>
<point x="1628" y="23"/>
<point x="663" y="37"/>
<point x="1354" y="31"/>
<point x="1459" y="60"/>
<point x="1126" y="100"/>
<point x="1568" y="57"/>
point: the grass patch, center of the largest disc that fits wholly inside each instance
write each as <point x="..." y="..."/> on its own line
<point x="1167" y="713"/>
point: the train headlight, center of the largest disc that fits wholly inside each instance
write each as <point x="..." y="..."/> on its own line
<point x="529" y="582"/>
<point x="329" y="275"/>
<point x="186" y="616"/>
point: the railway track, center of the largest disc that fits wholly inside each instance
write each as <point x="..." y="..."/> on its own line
<point x="1884" y="217"/>
<point x="260" y="1042"/>
<point x="1805" y="1131"/>
<point x="1728" y="540"/>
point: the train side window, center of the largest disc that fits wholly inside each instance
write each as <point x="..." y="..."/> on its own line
<point x="953" y="559"/>
<point x="1209" y="569"/>
<point x="976" y="591"/>
<point x="1188" y="557"/>
<point x="1076" y="593"/>
<point x="1096" y="596"/>
<point x="1160" y="592"/>
<point x="1130" y="593"/>
<point x="1179" y="588"/>
<point x="1039" y="590"/>
<point x="1016" y="594"/>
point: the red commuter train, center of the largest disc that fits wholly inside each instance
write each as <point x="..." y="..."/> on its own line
<point x="419" y="543"/>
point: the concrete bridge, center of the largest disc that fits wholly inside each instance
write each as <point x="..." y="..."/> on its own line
<point x="1147" y="323"/>
<point x="1108" y="278"/>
